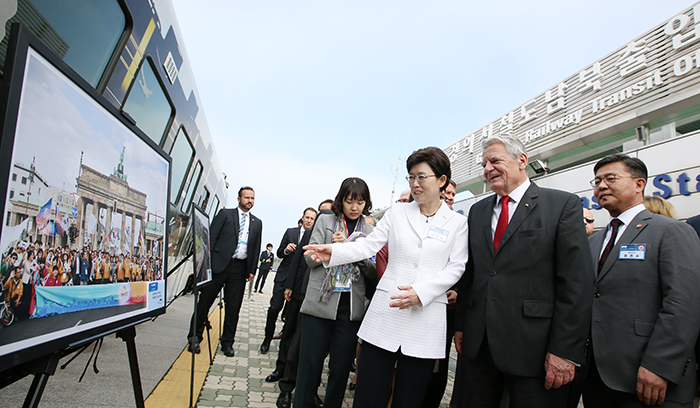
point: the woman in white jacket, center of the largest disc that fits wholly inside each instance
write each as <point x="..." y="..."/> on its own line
<point x="405" y="326"/>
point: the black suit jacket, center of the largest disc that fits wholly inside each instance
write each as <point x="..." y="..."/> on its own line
<point x="290" y="236"/>
<point x="534" y="294"/>
<point x="695" y="223"/>
<point x="224" y="238"/>
<point x="265" y="256"/>
<point x="298" y="278"/>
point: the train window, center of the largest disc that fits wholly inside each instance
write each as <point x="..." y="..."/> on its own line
<point x="148" y="104"/>
<point x="84" y="33"/>
<point x="214" y="207"/>
<point x="204" y="199"/>
<point x="182" y="154"/>
<point x="191" y="186"/>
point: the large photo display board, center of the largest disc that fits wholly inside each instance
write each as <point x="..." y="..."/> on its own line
<point x="81" y="185"/>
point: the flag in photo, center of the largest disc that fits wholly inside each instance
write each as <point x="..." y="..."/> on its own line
<point x="43" y="216"/>
<point x="48" y="229"/>
<point x="61" y="223"/>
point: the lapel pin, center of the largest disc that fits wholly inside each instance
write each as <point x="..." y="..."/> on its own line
<point x="527" y="205"/>
<point x="639" y="226"/>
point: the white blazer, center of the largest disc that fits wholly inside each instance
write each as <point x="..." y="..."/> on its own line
<point x="431" y="266"/>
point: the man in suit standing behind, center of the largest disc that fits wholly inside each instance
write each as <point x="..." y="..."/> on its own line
<point x="286" y="251"/>
<point x="522" y="310"/>
<point x="235" y="247"/>
<point x="267" y="259"/>
<point x="646" y="309"/>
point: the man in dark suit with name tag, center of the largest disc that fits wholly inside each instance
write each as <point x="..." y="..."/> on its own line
<point x="235" y="244"/>
<point x="522" y="312"/>
<point x="646" y="308"/>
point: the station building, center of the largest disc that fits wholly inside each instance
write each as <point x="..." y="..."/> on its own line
<point x="643" y="99"/>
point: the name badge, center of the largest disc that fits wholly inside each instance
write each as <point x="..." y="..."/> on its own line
<point x="438" y="233"/>
<point x="633" y="251"/>
<point x="340" y="286"/>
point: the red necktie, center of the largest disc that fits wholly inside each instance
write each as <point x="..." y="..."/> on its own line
<point x="502" y="223"/>
<point x="615" y="224"/>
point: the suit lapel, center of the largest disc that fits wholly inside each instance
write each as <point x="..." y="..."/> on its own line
<point x="639" y="222"/>
<point x="442" y="216"/>
<point x="414" y="217"/>
<point x="525" y="207"/>
<point x="486" y="219"/>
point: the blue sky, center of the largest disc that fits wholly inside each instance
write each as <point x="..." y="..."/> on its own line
<point x="300" y="95"/>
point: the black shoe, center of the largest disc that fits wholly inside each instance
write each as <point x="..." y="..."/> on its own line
<point x="318" y="403"/>
<point x="196" y="349"/>
<point x="265" y="346"/>
<point x="284" y="400"/>
<point x="275" y="376"/>
<point x="228" y="350"/>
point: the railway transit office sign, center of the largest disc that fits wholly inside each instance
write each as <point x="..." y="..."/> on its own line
<point x="656" y="65"/>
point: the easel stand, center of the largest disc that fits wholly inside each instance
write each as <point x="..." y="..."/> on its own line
<point x="194" y="341"/>
<point x="128" y="335"/>
<point x="44" y="367"/>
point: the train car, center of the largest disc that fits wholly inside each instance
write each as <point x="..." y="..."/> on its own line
<point x="131" y="52"/>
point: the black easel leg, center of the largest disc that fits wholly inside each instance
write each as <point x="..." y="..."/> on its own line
<point x="128" y="335"/>
<point x="42" y="370"/>
<point x="208" y="326"/>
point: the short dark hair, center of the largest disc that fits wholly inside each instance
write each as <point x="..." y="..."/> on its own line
<point x="356" y="188"/>
<point x="244" y="188"/>
<point x="268" y="245"/>
<point x="328" y="200"/>
<point x="309" y="209"/>
<point x="435" y="158"/>
<point x="635" y="166"/>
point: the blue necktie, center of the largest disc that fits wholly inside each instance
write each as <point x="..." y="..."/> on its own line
<point x="240" y="235"/>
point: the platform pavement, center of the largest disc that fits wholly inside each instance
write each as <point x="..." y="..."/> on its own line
<point x="240" y="381"/>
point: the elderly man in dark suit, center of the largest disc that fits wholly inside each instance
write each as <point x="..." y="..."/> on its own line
<point x="646" y="309"/>
<point x="267" y="258"/>
<point x="527" y="290"/>
<point x="235" y="247"/>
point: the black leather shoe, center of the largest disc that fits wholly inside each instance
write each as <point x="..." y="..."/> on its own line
<point x="265" y="346"/>
<point x="318" y="403"/>
<point x="228" y="350"/>
<point x="275" y="376"/>
<point x="284" y="400"/>
<point x="196" y="349"/>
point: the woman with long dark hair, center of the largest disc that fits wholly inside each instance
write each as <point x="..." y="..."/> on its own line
<point x="335" y="299"/>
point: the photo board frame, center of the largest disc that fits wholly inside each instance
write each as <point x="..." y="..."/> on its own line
<point x="77" y="176"/>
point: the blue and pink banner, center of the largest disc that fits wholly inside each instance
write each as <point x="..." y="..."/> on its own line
<point x="53" y="300"/>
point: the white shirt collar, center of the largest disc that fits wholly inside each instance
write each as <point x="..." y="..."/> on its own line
<point x="517" y="194"/>
<point x="628" y="215"/>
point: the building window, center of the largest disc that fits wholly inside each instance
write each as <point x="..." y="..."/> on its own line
<point x="24" y="180"/>
<point x="182" y="154"/>
<point x="14" y="177"/>
<point x="148" y="104"/>
<point x="84" y="33"/>
<point x="12" y="193"/>
<point x="7" y="222"/>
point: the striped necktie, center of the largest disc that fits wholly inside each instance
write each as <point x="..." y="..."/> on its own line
<point x="240" y="235"/>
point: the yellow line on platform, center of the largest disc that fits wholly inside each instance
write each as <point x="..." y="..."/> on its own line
<point x="174" y="389"/>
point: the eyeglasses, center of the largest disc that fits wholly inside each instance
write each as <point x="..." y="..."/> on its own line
<point x="589" y="220"/>
<point x="609" y="179"/>
<point x="421" y="178"/>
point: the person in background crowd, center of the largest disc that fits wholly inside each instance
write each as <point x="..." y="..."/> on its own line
<point x="54" y="279"/>
<point x="235" y="243"/>
<point x="450" y="193"/>
<point x="267" y="259"/>
<point x="404" y="197"/>
<point x="642" y="335"/>
<point x="285" y="252"/>
<point x="659" y="205"/>
<point x="334" y="304"/>
<point x="405" y="325"/>
<point x="13" y="287"/>
<point x="294" y="293"/>
<point x="588" y="221"/>
<point x="6" y="266"/>
<point x="522" y="313"/>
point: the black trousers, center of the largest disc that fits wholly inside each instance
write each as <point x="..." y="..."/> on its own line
<point x="233" y="280"/>
<point x="276" y="304"/>
<point x="483" y="384"/>
<point x="288" y="333"/>
<point x="318" y="338"/>
<point x="377" y="367"/>
<point x="262" y="275"/>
